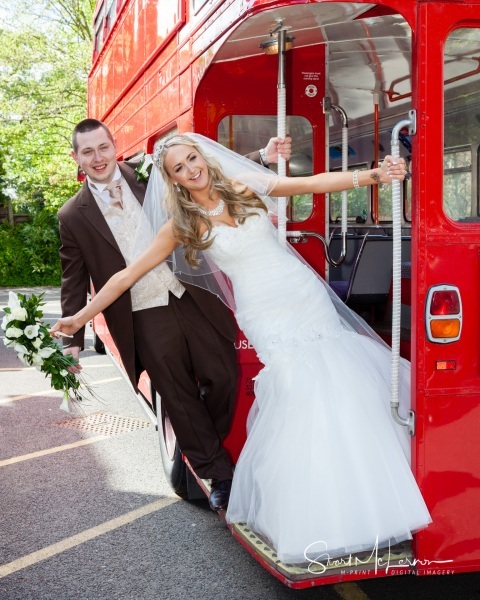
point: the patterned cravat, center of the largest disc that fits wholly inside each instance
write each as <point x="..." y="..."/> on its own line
<point x="115" y="190"/>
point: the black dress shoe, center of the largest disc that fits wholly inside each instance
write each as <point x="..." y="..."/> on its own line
<point x="220" y="494"/>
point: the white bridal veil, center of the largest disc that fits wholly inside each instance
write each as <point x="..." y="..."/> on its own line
<point x="208" y="275"/>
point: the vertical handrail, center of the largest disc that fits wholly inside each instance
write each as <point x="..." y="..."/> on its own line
<point x="396" y="280"/>
<point x="376" y="141"/>
<point x="281" y="131"/>
<point x="327" y="106"/>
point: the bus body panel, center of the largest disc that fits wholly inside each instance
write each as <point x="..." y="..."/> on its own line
<point x="447" y="402"/>
<point x="198" y="72"/>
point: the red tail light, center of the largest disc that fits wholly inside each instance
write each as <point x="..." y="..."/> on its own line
<point x="443" y="314"/>
<point x="445" y="303"/>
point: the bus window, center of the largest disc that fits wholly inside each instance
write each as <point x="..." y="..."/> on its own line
<point x="457" y="183"/>
<point x="461" y="124"/>
<point x="357" y="202"/>
<point x="99" y="26"/>
<point x="247" y="133"/>
<point x="385" y="202"/>
<point x="111" y="13"/>
<point x="407" y="194"/>
<point x="197" y="5"/>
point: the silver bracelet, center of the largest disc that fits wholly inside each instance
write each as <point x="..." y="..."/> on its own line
<point x="355" y="179"/>
<point x="263" y="157"/>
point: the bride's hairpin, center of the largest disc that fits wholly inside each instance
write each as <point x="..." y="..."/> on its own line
<point x="157" y="155"/>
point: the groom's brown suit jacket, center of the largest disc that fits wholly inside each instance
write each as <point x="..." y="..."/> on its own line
<point x="89" y="250"/>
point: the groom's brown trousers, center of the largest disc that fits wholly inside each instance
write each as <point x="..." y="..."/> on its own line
<point x="193" y="368"/>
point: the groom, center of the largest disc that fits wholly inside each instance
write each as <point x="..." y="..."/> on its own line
<point x="182" y="335"/>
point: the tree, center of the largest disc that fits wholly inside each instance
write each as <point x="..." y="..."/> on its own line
<point x="5" y="200"/>
<point x="45" y="52"/>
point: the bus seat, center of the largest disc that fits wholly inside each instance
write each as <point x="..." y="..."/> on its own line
<point x="370" y="278"/>
<point x="341" y="289"/>
<point x="372" y="274"/>
<point x="341" y="276"/>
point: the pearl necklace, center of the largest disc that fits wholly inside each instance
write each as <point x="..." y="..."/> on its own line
<point x="214" y="212"/>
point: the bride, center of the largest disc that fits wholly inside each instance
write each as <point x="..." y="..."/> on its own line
<point x="324" y="470"/>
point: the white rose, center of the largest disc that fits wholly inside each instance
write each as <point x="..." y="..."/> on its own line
<point x="47" y="352"/>
<point x="8" y="342"/>
<point x="31" y="331"/>
<point x="20" y="348"/>
<point x="6" y="320"/>
<point x="23" y="359"/>
<point x="37" y="360"/>
<point x="13" y="301"/>
<point x="37" y="343"/>
<point x="19" y="314"/>
<point x="146" y="163"/>
<point x="63" y="373"/>
<point x="13" y="332"/>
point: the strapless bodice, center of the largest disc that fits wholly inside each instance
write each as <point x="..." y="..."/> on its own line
<point x="270" y="285"/>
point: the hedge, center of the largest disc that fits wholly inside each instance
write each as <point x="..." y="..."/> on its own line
<point x="29" y="252"/>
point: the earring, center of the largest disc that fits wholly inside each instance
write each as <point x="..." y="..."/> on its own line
<point x="177" y="187"/>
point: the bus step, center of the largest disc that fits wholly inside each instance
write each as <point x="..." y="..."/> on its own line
<point x="377" y="560"/>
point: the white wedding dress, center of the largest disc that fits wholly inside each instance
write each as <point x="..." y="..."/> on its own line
<point x="325" y="470"/>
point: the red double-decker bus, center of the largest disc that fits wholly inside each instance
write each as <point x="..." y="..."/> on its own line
<point x="356" y="75"/>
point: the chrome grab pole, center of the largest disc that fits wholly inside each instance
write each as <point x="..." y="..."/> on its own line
<point x="299" y="236"/>
<point x="409" y="421"/>
<point x="343" y="114"/>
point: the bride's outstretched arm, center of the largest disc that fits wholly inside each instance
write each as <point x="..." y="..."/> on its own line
<point x="391" y="168"/>
<point x="157" y="252"/>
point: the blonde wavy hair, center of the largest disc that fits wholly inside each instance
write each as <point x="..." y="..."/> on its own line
<point x="186" y="214"/>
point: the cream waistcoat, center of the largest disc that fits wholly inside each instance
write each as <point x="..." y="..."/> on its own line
<point x="129" y="228"/>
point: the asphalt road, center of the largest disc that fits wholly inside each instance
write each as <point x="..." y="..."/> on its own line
<point x="86" y="513"/>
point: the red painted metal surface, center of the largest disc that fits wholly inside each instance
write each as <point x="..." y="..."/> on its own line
<point x="144" y="84"/>
<point x="248" y="368"/>
<point x="447" y="402"/>
<point x="224" y="91"/>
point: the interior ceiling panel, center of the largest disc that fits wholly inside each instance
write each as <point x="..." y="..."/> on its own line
<point x="364" y="55"/>
<point x="304" y="22"/>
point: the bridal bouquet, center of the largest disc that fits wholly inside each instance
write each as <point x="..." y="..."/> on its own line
<point x="29" y="337"/>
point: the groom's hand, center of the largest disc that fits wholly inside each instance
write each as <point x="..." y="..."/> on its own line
<point x="75" y="352"/>
<point x="278" y="147"/>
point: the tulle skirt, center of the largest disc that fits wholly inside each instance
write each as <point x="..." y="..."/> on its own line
<point x="325" y="470"/>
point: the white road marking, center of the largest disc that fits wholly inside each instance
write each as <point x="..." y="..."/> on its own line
<point x="23" y="457"/>
<point x="48" y="392"/>
<point x="85" y="536"/>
